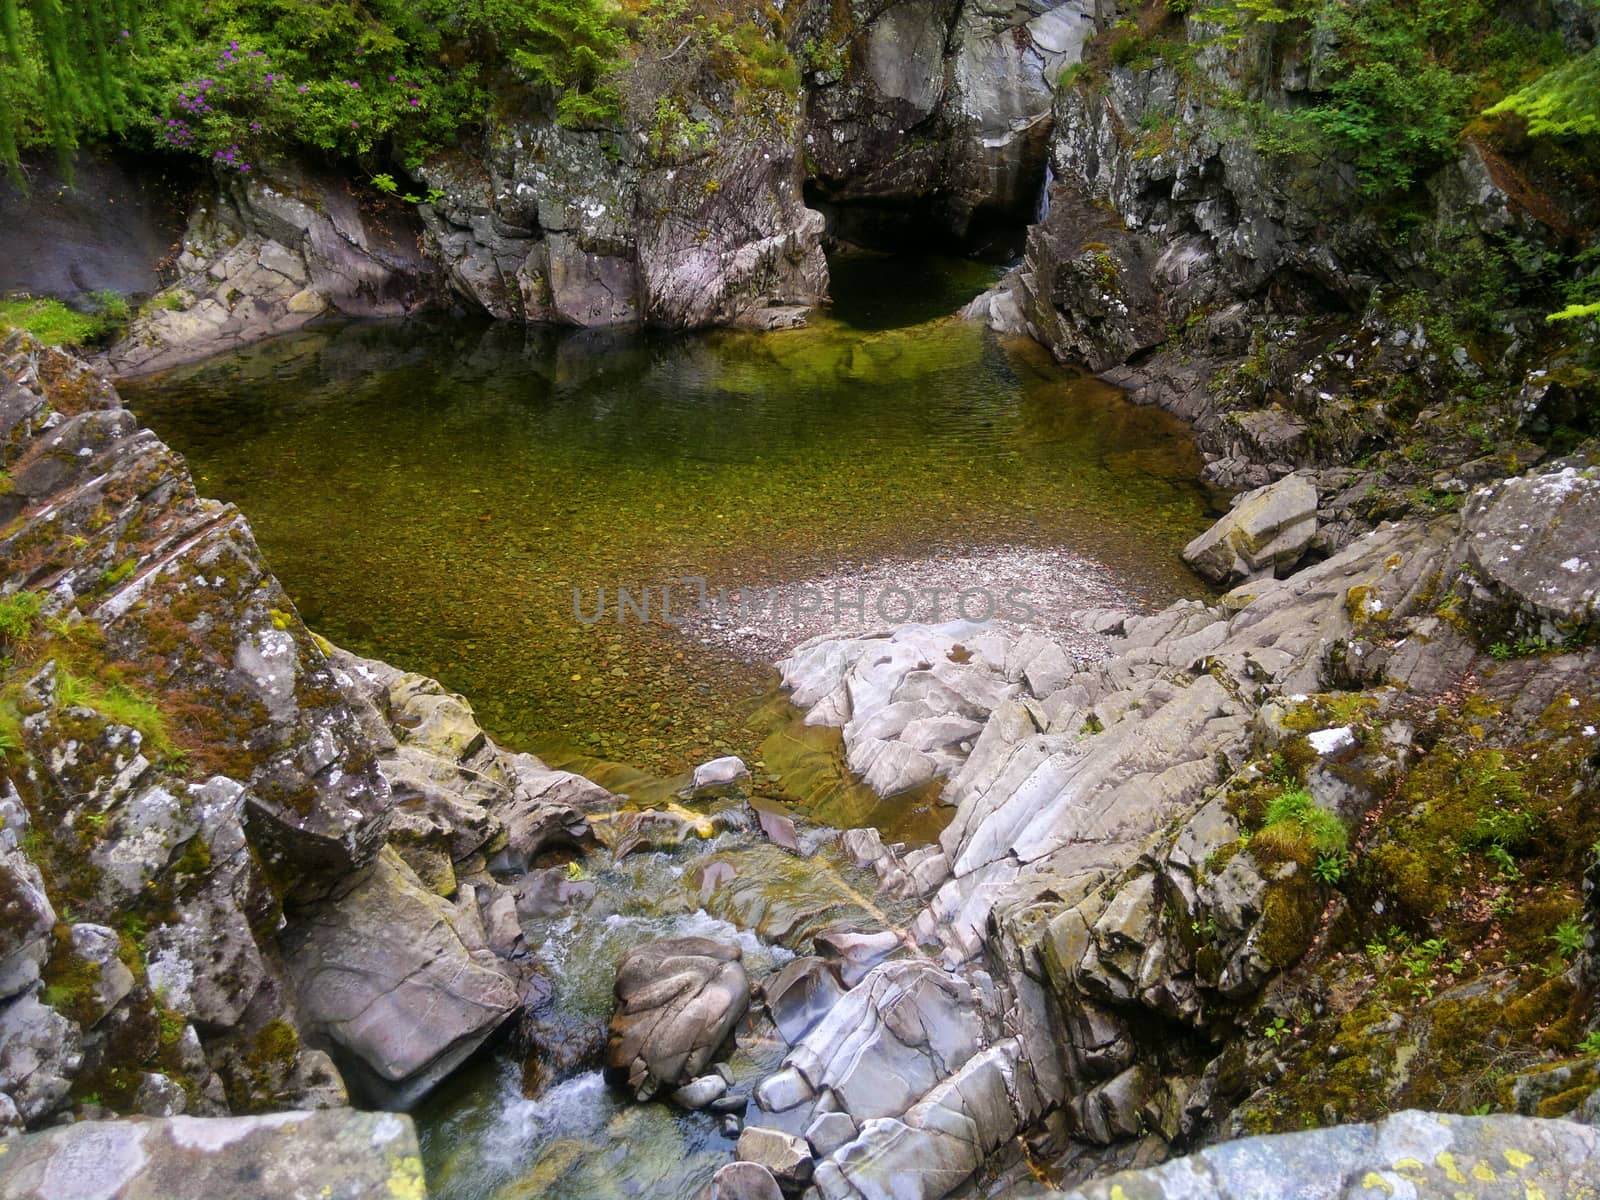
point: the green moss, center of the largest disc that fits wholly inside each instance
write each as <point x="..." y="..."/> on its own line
<point x="195" y="859"/>
<point x="116" y="574"/>
<point x="119" y="704"/>
<point x="69" y="979"/>
<point x="1290" y="912"/>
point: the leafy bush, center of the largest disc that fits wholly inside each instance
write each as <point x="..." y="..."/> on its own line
<point x="1405" y="77"/>
<point x="232" y="80"/>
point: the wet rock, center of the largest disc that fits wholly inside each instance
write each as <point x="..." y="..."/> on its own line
<point x="642" y="831"/>
<point x="718" y="773"/>
<point x="701" y="1092"/>
<point x="852" y="953"/>
<point x="776" y="824"/>
<point x="677" y="1002"/>
<point x="799" y="995"/>
<point x="940" y="1141"/>
<point x="786" y="1157"/>
<point x="890" y="1039"/>
<point x="1267" y="530"/>
<point x="340" y="1154"/>
<point x="743" y="1181"/>
<point x="391" y="979"/>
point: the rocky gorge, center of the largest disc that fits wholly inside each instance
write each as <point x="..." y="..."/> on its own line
<point x="1285" y="890"/>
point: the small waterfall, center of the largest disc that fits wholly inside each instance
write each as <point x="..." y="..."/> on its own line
<point x="1041" y="211"/>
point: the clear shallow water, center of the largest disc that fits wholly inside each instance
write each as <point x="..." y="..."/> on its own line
<point x="431" y="492"/>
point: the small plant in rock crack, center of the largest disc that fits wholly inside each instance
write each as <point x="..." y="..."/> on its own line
<point x="1570" y="936"/>
<point x="1277" y="1029"/>
<point x="1590" y="1044"/>
<point x="1330" y="868"/>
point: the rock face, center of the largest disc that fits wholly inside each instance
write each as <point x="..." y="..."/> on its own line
<point x="677" y="1003"/>
<point x="545" y="225"/>
<point x="934" y="106"/>
<point x="1267" y="530"/>
<point x="265" y="253"/>
<point x="106" y="231"/>
<point x="912" y="702"/>
<point x="337" y="1155"/>
<point x="1410" y="1153"/>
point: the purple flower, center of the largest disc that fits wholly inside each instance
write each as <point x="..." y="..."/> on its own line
<point x="245" y="167"/>
<point x="125" y="33"/>
<point x="355" y="124"/>
<point x="415" y="102"/>
<point x="255" y="124"/>
<point x="302" y="89"/>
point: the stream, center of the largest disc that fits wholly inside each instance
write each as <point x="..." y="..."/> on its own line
<point x="432" y="491"/>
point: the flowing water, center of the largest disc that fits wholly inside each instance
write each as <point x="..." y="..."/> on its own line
<point x="432" y="492"/>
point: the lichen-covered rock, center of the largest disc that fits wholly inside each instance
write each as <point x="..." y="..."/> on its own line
<point x="1411" y="1153"/>
<point x="338" y="1154"/>
<point x="548" y="224"/>
<point x="677" y="1002"/>
<point x="1533" y="546"/>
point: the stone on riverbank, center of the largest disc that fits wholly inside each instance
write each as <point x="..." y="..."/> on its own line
<point x="399" y="981"/>
<point x="677" y="1002"/>
<point x="1267" y="530"/>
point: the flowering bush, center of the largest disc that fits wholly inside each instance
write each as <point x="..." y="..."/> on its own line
<point x="244" y="106"/>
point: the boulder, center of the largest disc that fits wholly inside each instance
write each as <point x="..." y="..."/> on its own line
<point x="1267" y="530"/>
<point x="718" y="773"/>
<point x="390" y="979"/>
<point x="677" y="1002"/>
<point x="1533" y="548"/>
<point x="40" y="1052"/>
<point x="743" y="1181"/>
<point x="1410" y="1153"/>
<point x="786" y="1157"/>
<point x="335" y="1154"/>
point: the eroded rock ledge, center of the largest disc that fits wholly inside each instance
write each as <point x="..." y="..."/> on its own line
<point x="1107" y="932"/>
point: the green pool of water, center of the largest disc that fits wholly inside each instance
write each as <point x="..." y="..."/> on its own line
<point x="432" y="492"/>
